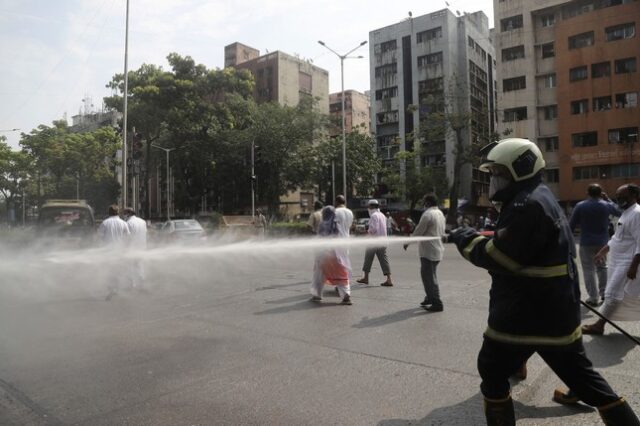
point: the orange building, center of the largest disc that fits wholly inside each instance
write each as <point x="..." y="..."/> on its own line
<point x="597" y="56"/>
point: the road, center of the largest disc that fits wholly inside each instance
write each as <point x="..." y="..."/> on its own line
<point x="238" y="342"/>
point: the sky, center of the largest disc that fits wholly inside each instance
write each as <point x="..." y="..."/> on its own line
<point x="57" y="53"/>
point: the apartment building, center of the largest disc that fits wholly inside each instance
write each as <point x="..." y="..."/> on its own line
<point x="569" y="80"/>
<point x="357" y="107"/>
<point x="279" y="76"/>
<point x="438" y="55"/>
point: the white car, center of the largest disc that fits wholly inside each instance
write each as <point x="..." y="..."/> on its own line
<point x="362" y="225"/>
<point x="183" y="230"/>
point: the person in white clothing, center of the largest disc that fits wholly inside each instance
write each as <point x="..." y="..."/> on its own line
<point x="137" y="241"/>
<point x="377" y="228"/>
<point x="113" y="232"/>
<point x="344" y="222"/>
<point x="432" y="224"/>
<point x="622" y="293"/>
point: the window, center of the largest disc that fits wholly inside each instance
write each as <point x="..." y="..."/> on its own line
<point x="580" y="107"/>
<point x="624" y="135"/>
<point x="432" y="58"/>
<point x="550" y="112"/>
<point x="548" y="50"/>
<point x="577" y="8"/>
<point x="548" y="20"/>
<point x="620" y="32"/>
<point x="549" y="144"/>
<point x="628" y="170"/>
<point x="391" y="92"/>
<point x="386" y="69"/>
<point x="387" y="117"/>
<point x="513" y="53"/>
<point x="578" y="73"/>
<point x="588" y="172"/>
<point x="581" y="40"/>
<point x="552" y="175"/>
<point x="386" y="46"/>
<point x="472" y="43"/>
<point x="515" y="114"/>
<point x="431" y="85"/>
<point x="511" y="23"/>
<point x="510" y="84"/>
<point x="549" y="80"/>
<point x="627" y="100"/>
<point x="304" y="82"/>
<point x="601" y="69"/>
<point x="429" y="35"/>
<point x="624" y="66"/>
<point x="584" y="139"/>
<point x="602" y="103"/>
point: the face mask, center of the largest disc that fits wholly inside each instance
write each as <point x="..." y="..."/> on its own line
<point x="497" y="183"/>
<point x="371" y="211"/>
<point x="623" y="203"/>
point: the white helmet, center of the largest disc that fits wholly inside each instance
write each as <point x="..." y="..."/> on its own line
<point x="521" y="156"/>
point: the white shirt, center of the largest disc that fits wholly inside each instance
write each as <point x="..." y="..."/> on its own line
<point x="625" y="243"/>
<point x="377" y="224"/>
<point x="138" y="229"/>
<point x="113" y="230"/>
<point x="344" y="219"/>
<point x="432" y="224"/>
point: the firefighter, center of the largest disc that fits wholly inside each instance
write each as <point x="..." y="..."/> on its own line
<point x="534" y="298"/>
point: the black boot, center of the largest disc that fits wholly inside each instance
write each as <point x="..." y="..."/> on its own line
<point x="619" y="414"/>
<point x="499" y="412"/>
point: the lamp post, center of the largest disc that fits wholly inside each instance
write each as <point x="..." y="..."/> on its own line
<point x="124" y="110"/>
<point x="167" y="151"/>
<point x="344" y="131"/>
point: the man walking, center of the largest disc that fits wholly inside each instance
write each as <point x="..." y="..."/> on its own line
<point x="377" y="228"/>
<point x="592" y="217"/>
<point x="344" y="222"/>
<point x="315" y="218"/>
<point x="138" y="241"/>
<point x="531" y="262"/>
<point x="624" y="249"/>
<point x="432" y="224"/>
<point x="113" y="232"/>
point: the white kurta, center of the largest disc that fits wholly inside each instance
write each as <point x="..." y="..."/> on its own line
<point x="344" y="220"/>
<point x="138" y="229"/>
<point x="113" y="230"/>
<point x="623" y="246"/>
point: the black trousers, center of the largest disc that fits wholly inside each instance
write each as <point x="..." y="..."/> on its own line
<point x="497" y="361"/>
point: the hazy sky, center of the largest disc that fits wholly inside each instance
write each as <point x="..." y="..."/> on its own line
<point x="56" y="52"/>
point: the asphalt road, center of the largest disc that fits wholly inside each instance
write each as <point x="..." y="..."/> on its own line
<point x="238" y="342"/>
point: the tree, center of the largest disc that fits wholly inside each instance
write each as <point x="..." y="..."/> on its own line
<point x="363" y="164"/>
<point x="199" y="111"/>
<point x="15" y="169"/>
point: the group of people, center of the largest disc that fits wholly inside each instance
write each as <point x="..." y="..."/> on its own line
<point x="333" y="266"/>
<point x="129" y="231"/>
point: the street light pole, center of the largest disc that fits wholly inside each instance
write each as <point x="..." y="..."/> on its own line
<point x="167" y="151"/>
<point x="253" y="180"/>
<point x="124" y="110"/>
<point x="344" y="130"/>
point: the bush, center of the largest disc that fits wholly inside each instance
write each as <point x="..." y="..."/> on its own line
<point x="288" y="229"/>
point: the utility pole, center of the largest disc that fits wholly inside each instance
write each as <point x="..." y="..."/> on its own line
<point x="167" y="151"/>
<point x="253" y="179"/>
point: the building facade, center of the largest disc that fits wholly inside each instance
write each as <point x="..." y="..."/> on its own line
<point x="285" y="79"/>
<point x="357" y="107"/>
<point x="280" y="77"/>
<point x="434" y="56"/>
<point x="569" y="81"/>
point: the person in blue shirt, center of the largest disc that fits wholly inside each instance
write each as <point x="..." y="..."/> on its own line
<point x="592" y="216"/>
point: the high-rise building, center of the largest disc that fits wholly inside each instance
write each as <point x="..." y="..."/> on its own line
<point x="280" y="77"/>
<point x="356" y="107"/>
<point x="434" y="56"/>
<point x="569" y="80"/>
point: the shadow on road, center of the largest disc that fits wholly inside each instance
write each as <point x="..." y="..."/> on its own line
<point x="470" y="413"/>
<point x="394" y="317"/>
<point x="610" y="349"/>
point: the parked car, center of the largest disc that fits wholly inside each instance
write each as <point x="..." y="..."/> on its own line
<point x="362" y="225"/>
<point x="182" y="230"/>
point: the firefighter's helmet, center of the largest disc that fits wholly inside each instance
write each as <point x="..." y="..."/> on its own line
<point x="521" y="157"/>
